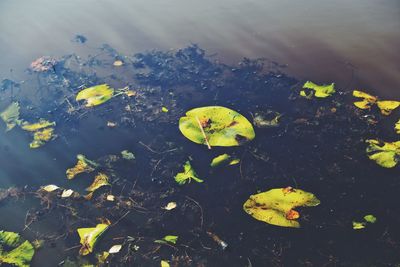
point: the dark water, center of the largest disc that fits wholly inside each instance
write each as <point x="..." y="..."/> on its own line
<point x="353" y="45"/>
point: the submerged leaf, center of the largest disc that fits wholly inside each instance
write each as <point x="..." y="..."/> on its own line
<point x="11" y="116"/>
<point x="127" y="155"/>
<point x="95" y="95"/>
<point x="168" y="239"/>
<point x="187" y="175"/>
<point x="276" y="206"/>
<point x="100" y="180"/>
<point x="83" y="165"/>
<point x="267" y="119"/>
<point x="320" y="91"/>
<point x="22" y="251"/>
<point x="222" y="126"/>
<point x="89" y="237"/>
<point x="367" y="102"/>
<point x="384" y="154"/>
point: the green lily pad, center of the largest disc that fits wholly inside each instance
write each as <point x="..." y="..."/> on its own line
<point x="11" y="116"/>
<point x="21" y="252"/>
<point x="89" y="237"/>
<point x="384" y="154"/>
<point x="95" y="95"/>
<point x="276" y="206"/>
<point x="222" y="126"/>
<point x="187" y="175"/>
<point x="320" y="91"/>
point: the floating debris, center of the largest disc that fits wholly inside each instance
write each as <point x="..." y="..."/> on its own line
<point x="11" y="116"/>
<point x="127" y="155"/>
<point x="83" y="165"/>
<point x="90" y="236"/>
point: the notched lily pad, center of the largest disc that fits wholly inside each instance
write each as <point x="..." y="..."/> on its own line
<point x="216" y="126"/>
<point x="384" y="154"/>
<point x="276" y="206"/>
<point x="89" y="237"/>
<point x="21" y="252"/>
<point x="95" y="95"/>
<point x="320" y="91"/>
<point x="187" y="175"/>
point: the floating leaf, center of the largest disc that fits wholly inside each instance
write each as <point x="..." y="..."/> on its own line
<point x="118" y="63"/>
<point x="170" y="206"/>
<point x="83" y="165"/>
<point x="397" y="127"/>
<point x="40" y="137"/>
<point x="220" y="160"/>
<point x="387" y="106"/>
<point x="222" y="126"/>
<point x="95" y="95"/>
<point x="367" y="102"/>
<point x="358" y="225"/>
<point x="187" y="175"/>
<point x="11" y="116"/>
<point x="115" y="249"/>
<point x="50" y="188"/>
<point x="99" y="181"/>
<point x="33" y="127"/>
<point x="110" y="198"/>
<point x="172" y="239"/>
<point x="127" y="155"/>
<point x="21" y="252"/>
<point x="89" y="237"/>
<point x="67" y="193"/>
<point x="276" y="206"/>
<point x="384" y="154"/>
<point x="164" y="109"/>
<point x="234" y="162"/>
<point x="164" y="263"/>
<point x="320" y="91"/>
<point x="370" y="218"/>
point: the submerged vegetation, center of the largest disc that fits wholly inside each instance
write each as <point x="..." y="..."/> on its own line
<point x="130" y="201"/>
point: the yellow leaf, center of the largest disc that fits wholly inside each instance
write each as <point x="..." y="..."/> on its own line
<point x="33" y="127"/>
<point x="367" y="102"/>
<point x="100" y="180"/>
<point x="89" y="237"/>
<point x="95" y="95"/>
<point x="40" y="137"/>
<point x="83" y="165"/>
<point x="384" y="154"/>
<point x="397" y="127"/>
<point x="164" y="263"/>
<point x="276" y="206"/>
<point x="388" y="106"/>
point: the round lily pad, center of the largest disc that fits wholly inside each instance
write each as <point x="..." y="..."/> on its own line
<point x="219" y="126"/>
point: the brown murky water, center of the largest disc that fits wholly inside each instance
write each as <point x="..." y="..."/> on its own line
<point x="319" y="40"/>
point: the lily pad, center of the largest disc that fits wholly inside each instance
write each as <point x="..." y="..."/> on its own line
<point x="276" y="206"/>
<point x="320" y="91"/>
<point x="95" y="95"/>
<point x="384" y="154"/>
<point x="21" y="252"/>
<point x="216" y="126"/>
<point x="89" y="237"/>
<point x="11" y="116"/>
<point x="187" y="175"/>
<point x="83" y="165"/>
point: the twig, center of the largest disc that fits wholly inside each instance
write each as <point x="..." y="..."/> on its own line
<point x="204" y="134"/>
<point x="71" y="248"/>
<point x="123" y="216"/>
<point x="201" y="210"/>
<point x="154" y="151"/>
